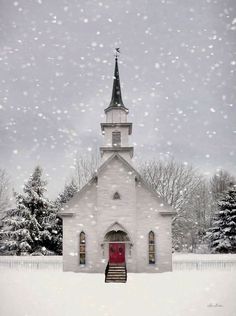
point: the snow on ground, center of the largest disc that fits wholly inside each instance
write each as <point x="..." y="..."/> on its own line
<point x="33" y="293"/>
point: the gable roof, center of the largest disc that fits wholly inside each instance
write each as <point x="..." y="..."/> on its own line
<point x="119" y="157"/>
<point x="93" y="179"/>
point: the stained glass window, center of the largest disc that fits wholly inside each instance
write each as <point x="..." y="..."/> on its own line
<point x="82" y="245"/>
<point x="151" y="247"/>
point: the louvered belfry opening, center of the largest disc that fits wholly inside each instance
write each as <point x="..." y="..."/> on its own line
<point x="116" y="139"/>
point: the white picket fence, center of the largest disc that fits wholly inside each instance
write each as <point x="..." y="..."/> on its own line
<point x="181" y="262"/>
<point x="31" y="262"/>
<point x="199" y="262"/>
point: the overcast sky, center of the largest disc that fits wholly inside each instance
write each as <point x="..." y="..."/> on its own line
<point x="177" y="69"/>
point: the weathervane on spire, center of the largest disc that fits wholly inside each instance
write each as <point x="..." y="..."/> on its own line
<point x="117" y="53"/>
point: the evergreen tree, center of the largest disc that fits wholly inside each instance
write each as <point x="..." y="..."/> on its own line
<point x="69" y="191"/>
<point x="33" y="227"/>
<point x="20" y="231"/>
<point x="52" y="231"/>
<point x="222" y="234"/>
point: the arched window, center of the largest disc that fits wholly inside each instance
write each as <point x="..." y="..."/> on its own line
<point x="82" y="245"/>
<point x="116" y="196"/>
<point x="151" y="247"/>
<point x="116" y="139"/>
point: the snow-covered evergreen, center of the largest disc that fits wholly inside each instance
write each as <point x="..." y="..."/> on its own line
<point x="33" y="227"/>
<point x="69" y="190"/>
<point x="20" y="230"/>
<point x="222" y="234"/>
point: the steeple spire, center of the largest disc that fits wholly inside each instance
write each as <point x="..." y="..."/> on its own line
<point x="116" y="129"/>
<point x="116" y="98"/>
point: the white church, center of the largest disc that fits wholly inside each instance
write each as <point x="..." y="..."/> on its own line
<point x="116" y="224"/>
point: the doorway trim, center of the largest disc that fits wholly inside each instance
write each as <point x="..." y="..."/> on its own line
<point x="117" y="228"/>
<point x="118" y="231"/>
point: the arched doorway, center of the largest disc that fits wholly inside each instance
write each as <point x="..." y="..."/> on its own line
<point x="117" y="244"/>
<point x="117" y="241"/>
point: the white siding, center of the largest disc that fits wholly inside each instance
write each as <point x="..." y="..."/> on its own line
<point x="124" y="135"/>
<point x="137" y="211"/>
<point x="116" y="116"/>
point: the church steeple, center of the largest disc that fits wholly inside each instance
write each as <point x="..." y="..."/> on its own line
<point x="116" y="98"/>
<point x="116" y="130"/>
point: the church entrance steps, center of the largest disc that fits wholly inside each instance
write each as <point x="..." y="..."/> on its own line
<point x="116" y="273"/>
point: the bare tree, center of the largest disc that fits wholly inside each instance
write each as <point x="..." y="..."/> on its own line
<point x="185" y="190"/>
<point x="85" y="166"/>
<point x="174" y="182"/>
<point x="4" y="191"/>
<point x="200" y="205"/>
<point x="202" y="202"/>
<point x="220" y="182"/>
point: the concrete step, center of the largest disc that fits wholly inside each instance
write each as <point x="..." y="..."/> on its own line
<point x="116" y="274"/>
<point x="117" y="268"/>
<point x="116" y="278"/>
<point x="115" y="281"/>
<point x="113" y="274"/>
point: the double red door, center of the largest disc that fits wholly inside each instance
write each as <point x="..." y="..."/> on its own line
<point x="116" y="253"/>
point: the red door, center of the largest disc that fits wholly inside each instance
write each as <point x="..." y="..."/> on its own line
<point x="116" y="253"/>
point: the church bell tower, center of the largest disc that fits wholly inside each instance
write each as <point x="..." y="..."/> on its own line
<point x="116" y="130"/>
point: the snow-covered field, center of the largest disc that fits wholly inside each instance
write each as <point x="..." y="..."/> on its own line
<point x="33" y="293"/>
